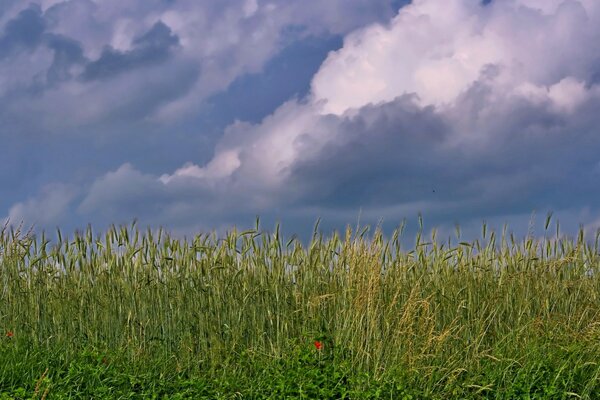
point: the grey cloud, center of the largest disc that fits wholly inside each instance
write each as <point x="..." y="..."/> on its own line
<point x="67" y="52"/>
<point x="123" y="190"/>
<point x="48" y="208"/>
<point x="514" y="156"/>
<point x="6" y="5"/>
<point x="23" y="32"/>
<point x="393" y="161"/>
<point x="88" y="40"/>
<point x="136" y="99"/>
<point x="377" y="157"/>
<point x="151" y="48"/>
<point x="128" y="193"/>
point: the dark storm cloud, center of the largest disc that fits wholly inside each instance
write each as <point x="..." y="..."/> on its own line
<point x="24" y="32"/>
<point x="67" y="52"/>
<point x="151" y="48"/>
<point x="518" y="157"/>
<point x="377" y="157"/>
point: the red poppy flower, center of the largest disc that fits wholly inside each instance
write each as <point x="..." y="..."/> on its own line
<point x="9" y="334"/>
<point x="318" y="345"/>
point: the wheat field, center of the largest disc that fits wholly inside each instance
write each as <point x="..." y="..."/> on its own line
<point x="492" y="318"/>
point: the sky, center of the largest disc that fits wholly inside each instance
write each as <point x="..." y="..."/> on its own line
<point x="199" y="116"/>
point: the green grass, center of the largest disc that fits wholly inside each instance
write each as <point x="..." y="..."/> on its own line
<point x="132" y="314"/>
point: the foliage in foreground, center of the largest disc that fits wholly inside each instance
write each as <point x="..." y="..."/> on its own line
<point x="140" y="315"/>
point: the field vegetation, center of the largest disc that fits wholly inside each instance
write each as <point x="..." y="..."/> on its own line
<point x="140" y="314"/>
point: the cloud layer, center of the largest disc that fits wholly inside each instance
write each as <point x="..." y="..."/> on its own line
<point x="465" y="112"/>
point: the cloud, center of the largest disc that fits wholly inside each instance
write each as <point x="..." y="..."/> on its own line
<point x="67" y="53"/>
<point x="151" y="48"/>
<point x="48" y="208"/>
<point x="128" y="193"/>
<point x="51" y="43"/>
<point x="465" y="112"/>
<point x="145" y="97"/>
<point x="438" y="54"/>
<point x="123" y="189"/>
<point x="392" y="160"/>
<point x="5" y="6"/>
<point x="516" y="156"/>
<point x="23" y="32"/>
<point x="450" y="112"/>
<point x="553" y="84"/>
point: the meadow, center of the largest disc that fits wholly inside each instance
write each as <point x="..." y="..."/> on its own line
<point x="139" y="314"/>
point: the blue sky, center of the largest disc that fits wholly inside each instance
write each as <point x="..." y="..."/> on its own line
<point x="201" y="115"/>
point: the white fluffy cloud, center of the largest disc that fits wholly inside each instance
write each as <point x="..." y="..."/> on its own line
<point x="539" y="52"/>
<point x="438" y="51"/>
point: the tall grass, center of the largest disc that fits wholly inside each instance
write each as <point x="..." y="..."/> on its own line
<point x="441" y="315"/>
